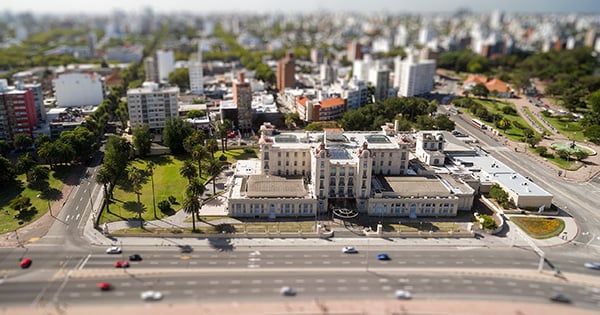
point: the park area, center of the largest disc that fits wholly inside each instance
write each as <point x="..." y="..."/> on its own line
<point x="539" y="227"/>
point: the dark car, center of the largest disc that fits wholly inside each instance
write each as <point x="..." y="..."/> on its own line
<point x="383" y="256"/>
<point x="135" y="257"/>
<point x="25" y="263"/>
<point x="560" y="298"/>
<point x="186" y="249"/>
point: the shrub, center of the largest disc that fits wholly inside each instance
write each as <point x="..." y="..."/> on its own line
<point x="223" y="158"/>
<point x="172" y="199"/>
<point x="488" y="222"/>
<point x="499" y="194"/>
<point x="165" y="206"/>
<point x="248" y="150"/>
<point x="508" y="110"/>
<point x="541" y="150"/>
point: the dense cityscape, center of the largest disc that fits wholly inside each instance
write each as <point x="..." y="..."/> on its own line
<point x="300" y="162"/>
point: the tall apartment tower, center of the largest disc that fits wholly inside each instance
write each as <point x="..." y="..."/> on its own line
<point x="150" y="68"/>
<point x="17" y="111"/>
<point x="381" y="80"/>
<point x="242" y="96"/>
<point x="286" y="72"/>
<point x="196" y="73"/>
<point x="165" y="64"/>
<point x="354" y="51"/>
<point x="151" y="105"/>
<point x="413" y="76"/>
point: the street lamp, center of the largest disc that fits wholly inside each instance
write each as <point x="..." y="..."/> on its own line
<point x="49" y="207"/>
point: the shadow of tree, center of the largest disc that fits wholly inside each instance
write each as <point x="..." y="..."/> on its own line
<point x="134" y="207"/>
<point x="27" y="215"/>
<point x="160" y="159"/>
<point x="221" y="244"/>
<point x="64" y="172"/>
<point x="39" y="185"/>
<point x="225" y="228"/>
<point x="51" y="194"/>
<point x="10" y="192"/>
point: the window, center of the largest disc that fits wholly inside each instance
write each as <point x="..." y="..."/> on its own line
<point x="351" y="172"/>
<point x="342" y="171"/>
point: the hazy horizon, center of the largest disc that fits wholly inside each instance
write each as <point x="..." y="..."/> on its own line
<point x="275" y="6"/>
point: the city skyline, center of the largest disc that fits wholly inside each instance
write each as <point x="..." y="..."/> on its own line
<point x="273" y="6"/>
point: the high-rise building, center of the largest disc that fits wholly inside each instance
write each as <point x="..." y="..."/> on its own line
<point x="78" y="89"/>
<point x="242" y="97"/>
<point x="165" y="64"/>
<point x="327" y="73"/>
<point x="354" y="51"/>
<point x="17" y="111"/>
<point x="151" y="105"/>
<point x="150" y="69"/>
<point x="196" y="73"/>
<point x="381" y="80"/>
<point x="286" y="72"/>
<point x="413" y="76"/>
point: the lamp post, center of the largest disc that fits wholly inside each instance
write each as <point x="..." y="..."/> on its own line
<point x="49" y="207"/>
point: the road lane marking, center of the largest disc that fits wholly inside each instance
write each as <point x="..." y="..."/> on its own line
<point x="308" y="262"/>
<point x="85" y="261"/>
<point x="214" y="282"/>
<point x="120" y="293"/>
<point x="126" y="284"/>
<point x="255" y="290"/>
<point x="74" y="294"/>
<point x="188" y="292"/>
<point x="321" y="289"/>
<point x="169" y="283"/>
<point x="191" y="282"/>
<point x="256" y="281"/>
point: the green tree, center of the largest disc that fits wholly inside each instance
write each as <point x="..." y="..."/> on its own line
<point x="443" y="122"/>
<point x="192" y="206"/>
<point x="499" y="194"/>
<point x="533" y="141"/>
<point x="116" y="158"/>
<point x="212" y="146"/>
<point x="39" y="177"/>
<point x="103" y="177"/>
<point x="503" y="124"/>
<point x="175" y="132"/>
<point x="593" y="133"/>
<point x="142" y="140"/>
<point x="198" y="154"/>
<point x="541" y="150"/>
<point x="222" y="129"/>
<point x="25" y="164"/>
<point x="20" y="203"/>
<point x="580" y="155"/>
<point x="188" y="170"/>
<point x="480" y="90"/>
<point x="195" y="113"/>
<point x="181" y="78"/>
<point x="214" y="169"/>
<point x="123" y="114"/>
<point x="82" y="140"/>
<point x="41" y="139"/>
<point x="22" y="141"/>
<point x="136" y="177"/>
<point x="192" y="141"/>
<point x="5" y="147"/>
<point x="7" y="175"/>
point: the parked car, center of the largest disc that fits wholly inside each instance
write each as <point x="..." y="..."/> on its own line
<point x="403" y="295"/>
<point x="185" y="249"/>
<point x="383" y="256"/>
<point x="122" y="264"/>
<point x="113" y="250"/>
<point x="592" y="265"/>
<point x="151" y="295"/>
<point x="104" y="286"/>
<point x="349" y="250"/>
<point x="26" y="262"/>
<point x="135" y="257"/>
<point x="560" y="298"/>
<point x="287" y="291"/>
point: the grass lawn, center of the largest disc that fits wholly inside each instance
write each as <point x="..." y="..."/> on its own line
<point x="495" y="107"/>
<point x="250" y="227"/>
<point x="58" y="177"/>
<point x="566" y="126"/>
<point x="569" y="165"/>
<point x="167" y="182"/>
<point x="539" y="227"/>
<point x="237" y="154"/>
<point x="426" y="226"/>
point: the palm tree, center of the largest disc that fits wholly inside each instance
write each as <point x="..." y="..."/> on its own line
<point x="192" y="205"/>
<point x="199" y="153"/>
<point x="135" y="177"/>
<point x="212" y="146"/>
<point x="47" y="152"/>
<point x="196" y="188"/>
<point x="25" y="163"/>
<point x="104" y="177"/>
<point x="188" y="170"/>
<point x="214" y="169"/>
<point x="150" y="169"/>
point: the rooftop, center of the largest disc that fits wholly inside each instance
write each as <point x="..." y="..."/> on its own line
<point x="413" y="185"/>
<point x="270" y="186"/>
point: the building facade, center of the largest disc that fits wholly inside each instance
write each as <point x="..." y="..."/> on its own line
<point x="17" y="112"/>
<point x="196" y="73"/>
<point x="286" y="72"/>
<point x="413" y="77"/>
<point x="165" y="64"/>
<point x="152" y="106"/>
<point x="242" y="97"/>
<point x="78" y="89"/>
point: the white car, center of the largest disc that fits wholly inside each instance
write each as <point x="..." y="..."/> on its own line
<point x="113" y="250"/>
<point x="349" y="250"/>
<point x="403" y="295"/>
<point x="592" y="265"/>
<point x="287" y="291"/>
<point x="151" y="295"/>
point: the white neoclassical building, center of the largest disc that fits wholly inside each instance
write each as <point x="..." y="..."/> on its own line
<point x="300" y="174"/>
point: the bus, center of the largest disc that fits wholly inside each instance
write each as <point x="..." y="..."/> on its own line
<point x="477" y="123"/>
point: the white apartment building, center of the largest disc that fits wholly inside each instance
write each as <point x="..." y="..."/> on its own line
<point x="380" y="78"/>
<point x="412" y="76"/>
<point x="196" y="73"/>
<point x="165" y="64"/>
<point x="152" y="105"/>
<point x="300" y="174"/>
<point x="78" y="89"/>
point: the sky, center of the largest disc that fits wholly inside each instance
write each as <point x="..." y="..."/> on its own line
<point x="292" y="6"/>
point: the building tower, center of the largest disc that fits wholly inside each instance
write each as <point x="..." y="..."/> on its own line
<point x="150" y="68"/>
<point x="354" y="51"/>
<point x="242" y="96"/>
<point x="197" y="73"/>
<point x="165" y="64"/>
<point x="286" y="72"/>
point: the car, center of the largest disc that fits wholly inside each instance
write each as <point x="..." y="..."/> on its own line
<point x="26" y="262"/>
<point x="151" y="295"/>
<point x="592" y="265"/>
<point x="185" y="249"/>
<point x="135" y="257"/>
<point x="349" y="250"/>
<point x="383" y="256"/>
<point x="403" y="295"/>
<point x="559" y="297"/>
<point x="113" y="250"/>
<point x="287" y="291"/>
<point x="122" y="264"/>
<point x="104" y="286"/>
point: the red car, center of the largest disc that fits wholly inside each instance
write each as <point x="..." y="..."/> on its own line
<point x="122" y="264"/>
<point x="25" y="263"/>
<point x="104" y="286"/>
